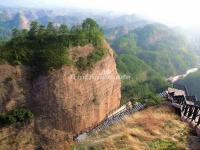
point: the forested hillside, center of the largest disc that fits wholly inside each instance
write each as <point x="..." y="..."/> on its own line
<point x="22" y="18"/>
<point x="150" y="54"/>
<point x="46" y="48"/>
<point x="167" y="48"/>
<point x="192" y="82"/>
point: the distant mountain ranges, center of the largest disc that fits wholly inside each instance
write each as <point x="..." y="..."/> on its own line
<point x="146" y="50"/>
<point x="114" y="25"/>
<point x="21" y="18"/>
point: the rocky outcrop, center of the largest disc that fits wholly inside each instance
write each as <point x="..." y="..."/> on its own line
<point x="72" y="101"/>
<point x="64" y="103"/>
<point x="14" y="87"/>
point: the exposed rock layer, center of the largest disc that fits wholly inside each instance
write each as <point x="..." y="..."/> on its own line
<point x="14" y="87"/>
<point x="64" y="102"/>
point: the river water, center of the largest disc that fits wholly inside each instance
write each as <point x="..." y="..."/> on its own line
<point x="178" y="77"/>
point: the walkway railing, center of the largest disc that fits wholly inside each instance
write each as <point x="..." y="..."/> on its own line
<point x="112" y="119"/>
<point x="187" y="106"/>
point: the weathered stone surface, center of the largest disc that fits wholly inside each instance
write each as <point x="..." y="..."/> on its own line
<point x="14" y="87"/>
<point x="63" y="102"/>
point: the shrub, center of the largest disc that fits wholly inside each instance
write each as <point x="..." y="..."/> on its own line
<point x="163" y="145"/>
<point x="82" y="63"/>
<point x="2" y="61"/>
<point x="22" y="114"/>
<point x="152" y="99"/>
<point x="16" y="115"/>
<point x="10" y="119"/>
<point x="96" y="56"/>
<point x="89" y="61"/>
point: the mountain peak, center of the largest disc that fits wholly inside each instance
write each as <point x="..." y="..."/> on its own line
<point x="20" y="21"/>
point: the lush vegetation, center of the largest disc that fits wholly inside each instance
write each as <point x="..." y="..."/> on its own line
<point x="4" y="34"/>
<point x="46" y="48"/>
<point x="164" y="49"/>
<point x="145" y="81"/>
<point x="149" y="55"/>
<point x="85" y="62"/>
<point x="192" y="82"/>
<point x="16" y="115"/>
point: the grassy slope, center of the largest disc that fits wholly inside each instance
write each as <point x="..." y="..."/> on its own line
<point x="18" y="136"/>
<point x="153" y="128"/>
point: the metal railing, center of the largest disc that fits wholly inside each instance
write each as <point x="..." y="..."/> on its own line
<point x="188" y="106"/>
<point x="113" y="119"/>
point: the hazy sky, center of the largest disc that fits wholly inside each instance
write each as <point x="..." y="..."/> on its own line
<point x="184" y="13"/>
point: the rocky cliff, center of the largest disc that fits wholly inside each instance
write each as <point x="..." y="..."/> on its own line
<point x="72" y="100"/>
<point x="66" y="101"/>
<point x="14" y="87"/>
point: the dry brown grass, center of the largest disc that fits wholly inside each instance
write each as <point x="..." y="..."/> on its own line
<point x="152" y="128"/>
<point x="18" y="137"/>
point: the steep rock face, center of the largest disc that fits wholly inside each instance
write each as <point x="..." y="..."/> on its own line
<point x="65" y="101"/>
<point x="14" y="87"/>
